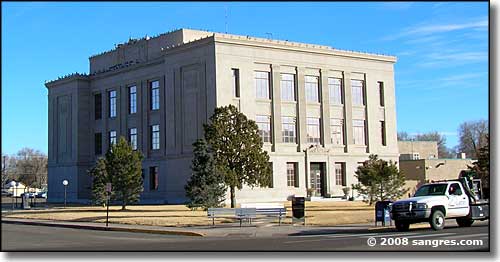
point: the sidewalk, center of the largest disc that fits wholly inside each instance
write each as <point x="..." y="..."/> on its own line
<point x="220" y="230"/>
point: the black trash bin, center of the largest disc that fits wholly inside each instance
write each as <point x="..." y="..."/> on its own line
<point x="298" y="207"/>
<point x="382" y="212"/>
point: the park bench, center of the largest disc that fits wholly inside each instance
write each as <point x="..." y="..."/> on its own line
<point x="268" y="209"/>
<point x="238" y="213"/>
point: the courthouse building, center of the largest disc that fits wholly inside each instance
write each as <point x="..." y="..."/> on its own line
<point x="320" y="110"/>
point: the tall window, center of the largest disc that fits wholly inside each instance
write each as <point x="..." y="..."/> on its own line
<point x="112" y="137"/>
<point x="132" y="133"/>
<point x="271" y="180"/>
<point x="112" y="103"/>
<point x="358" y="129"/>
<point x="358" y="98"/>
<point x="236" y="82"/>
<point x="262" y="85"/>
<point x="132" y="100"/>
<point x="155" y="95"/>
<point x="153" y="178"/>
<point x="337" y="131"/>
<point x="155" y="137"/>
<point x="335" y="87"/>
<point x="264" y="124"/>
<point x="287" y="87"/>
<point x="382" y="133"/>
<point x="291" y="175"/>
<point x="381" y="93"/>
<point x="313" y="130"/>
<point x="312" y="89"/>
<point x="289" y="130"/>
<point x="340" y="174"/>
<point x="97" y="106"/>
<point x="98" y="143"/>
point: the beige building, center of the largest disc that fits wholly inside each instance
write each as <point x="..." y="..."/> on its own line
<point x="420" y="164"/>
<point x="321" y="111"/>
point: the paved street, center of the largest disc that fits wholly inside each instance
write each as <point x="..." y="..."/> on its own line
<point x="27" y="237"/>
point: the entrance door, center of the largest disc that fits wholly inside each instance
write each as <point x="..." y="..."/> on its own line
<point x="316" y="178"/>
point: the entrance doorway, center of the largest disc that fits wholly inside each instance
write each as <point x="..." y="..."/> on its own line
<point x="317" y="178"/>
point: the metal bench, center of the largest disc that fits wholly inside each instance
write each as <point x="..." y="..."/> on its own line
<point x="238" y="213"/>
<point x="268" y="209"/>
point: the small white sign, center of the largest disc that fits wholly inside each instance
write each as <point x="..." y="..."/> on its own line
<point x="108" y="187"/>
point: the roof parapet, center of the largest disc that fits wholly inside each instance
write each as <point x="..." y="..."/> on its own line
<point x="75" y="75"/>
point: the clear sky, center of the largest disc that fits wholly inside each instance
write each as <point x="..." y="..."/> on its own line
<point x="442" y="49"/>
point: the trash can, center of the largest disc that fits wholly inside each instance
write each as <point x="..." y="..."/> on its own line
<point x="25" y="201"/>
<point x="298" y="207"/>
<point x="382" y="212"/>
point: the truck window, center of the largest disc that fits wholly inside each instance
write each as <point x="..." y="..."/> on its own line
<point x="431" y="190"/>
<point x="455" y="189"/>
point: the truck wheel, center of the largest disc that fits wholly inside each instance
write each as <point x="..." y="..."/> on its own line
<point x="402" y="226"/>
<point x="464" y="222"/>
<point x="437" y="220"/>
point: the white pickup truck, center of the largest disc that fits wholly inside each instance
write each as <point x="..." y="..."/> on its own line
<point x="459" y="199"/>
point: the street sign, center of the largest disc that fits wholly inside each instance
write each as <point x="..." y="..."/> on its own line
<point x="108" y="187"/>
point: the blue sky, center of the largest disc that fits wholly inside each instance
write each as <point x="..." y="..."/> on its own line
<point x="442" y="49"/>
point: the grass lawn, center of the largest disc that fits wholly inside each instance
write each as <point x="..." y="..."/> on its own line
<point x="317" y="213"/>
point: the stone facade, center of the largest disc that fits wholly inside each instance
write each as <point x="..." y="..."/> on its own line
<point x="196" y="71"/>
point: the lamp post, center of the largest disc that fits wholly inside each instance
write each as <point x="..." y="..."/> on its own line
<point x="65" y="183"/>
<point x="13" y="185"/>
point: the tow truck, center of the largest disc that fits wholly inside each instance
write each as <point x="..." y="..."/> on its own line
<point x="460" y="199"/>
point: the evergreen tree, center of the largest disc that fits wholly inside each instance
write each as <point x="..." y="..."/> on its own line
<point x="99" y="179"/>
<point x="379" y="180"/>
<point x="121" y="167"/>
<point x="237" y="149"/>
<point x="206" y="186"/>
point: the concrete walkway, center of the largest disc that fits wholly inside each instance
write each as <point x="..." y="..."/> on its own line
<point x="259" y="229"/>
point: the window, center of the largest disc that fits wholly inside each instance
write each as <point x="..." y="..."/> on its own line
<point x="153" y="178"/>
<point x="132" y="100"/>
<point x="337" y="131"/>
<point x="155" y="95"/>
<point x="97" y="106"/>
<point x="335" y="87"/>
<point x="358" y="129"/>
<point x="287" y="87"/>
<point x="291" y="175"/>
<point x="312" y="89"/>
<point x="340" y="174"/>
<point x="358" y="98"/>
<point x="289" y="130"/>
<point x="155" y="137"/>
<point x="262" y="85"/>
<point x="264" y="124"/>
<point x="271" y="180"/>
<point x="236" y="82"/>
<point x="112" y="138"/>
<point x="382" y="133"/>
<point x="381" y="93"/>
<point x="313" y="130"/>
<point x="98" y="143"/>
<point x="133" y="138"/>
<point x="112" y="103"/>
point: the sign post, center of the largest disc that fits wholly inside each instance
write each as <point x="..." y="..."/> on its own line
<point x="108" y="195"/>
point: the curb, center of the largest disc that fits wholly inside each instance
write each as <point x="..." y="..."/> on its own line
<point x="102" y="228"/>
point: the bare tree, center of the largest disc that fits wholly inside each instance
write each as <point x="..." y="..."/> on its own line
<point x="472" y="137"/>
<point x="31" y="168"/>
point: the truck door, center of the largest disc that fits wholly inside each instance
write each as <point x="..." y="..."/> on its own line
<point x="458" y="204"/>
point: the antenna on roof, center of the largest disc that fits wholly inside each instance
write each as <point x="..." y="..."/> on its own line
<point x="269" y="35"/>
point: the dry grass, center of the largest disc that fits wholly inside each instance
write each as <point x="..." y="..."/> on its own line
<point x="317" y="213"/>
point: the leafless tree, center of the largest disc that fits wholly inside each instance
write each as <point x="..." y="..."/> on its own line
<point x="472" y="137"/>
<point x="31" y="168"/>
